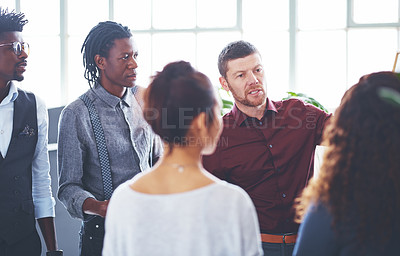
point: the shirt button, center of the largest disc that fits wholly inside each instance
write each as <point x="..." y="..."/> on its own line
<point x="97" y="226"/>
<point x="270" y="146"/>
<point x="284" y="195"/>
<point x="1" y="132"/>
<point x="259" y="122"/>
<point x="90" y="238"/>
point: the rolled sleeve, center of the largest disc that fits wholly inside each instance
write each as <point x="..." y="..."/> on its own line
<point x="44" y="207"/>
<point x="41" y="181"/>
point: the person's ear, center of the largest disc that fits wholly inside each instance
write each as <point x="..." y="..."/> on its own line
<point x="100" y="61"/>
<point x="224" y="83"/>
<point x="199" y="124"/>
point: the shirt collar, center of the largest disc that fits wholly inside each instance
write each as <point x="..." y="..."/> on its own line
<point x="12" y="94"/>
<point x="112" y="100"/>
<point x="241" y="117"/>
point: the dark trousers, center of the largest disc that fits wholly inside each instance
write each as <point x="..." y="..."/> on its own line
<point x="91" y="237"/>
<point x="30" y="245"/>
<point x="272" y="249"/>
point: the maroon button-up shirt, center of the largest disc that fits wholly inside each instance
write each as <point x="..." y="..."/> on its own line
<point x="272" y="158"/>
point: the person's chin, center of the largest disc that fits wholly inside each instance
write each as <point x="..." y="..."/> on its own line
<point x="130" y="85"/>
<point x="18" y="78"/>
<point x="258" y="102"/>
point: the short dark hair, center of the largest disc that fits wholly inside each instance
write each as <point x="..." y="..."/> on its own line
<point x="176" y="96"/>
<point x="234" y="50"/>
<point x="11" y="21"/>
<point x="99" y="41"/>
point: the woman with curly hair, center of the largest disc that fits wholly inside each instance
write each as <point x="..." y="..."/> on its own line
<point x="353" y="206"/>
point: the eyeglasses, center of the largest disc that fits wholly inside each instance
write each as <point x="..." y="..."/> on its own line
<point x="18" y="47"/>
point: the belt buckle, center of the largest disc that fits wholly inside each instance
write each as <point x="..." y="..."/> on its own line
<point x="284" y="237"/>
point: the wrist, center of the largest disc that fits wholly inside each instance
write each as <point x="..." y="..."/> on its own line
<point x="55" y="253"/>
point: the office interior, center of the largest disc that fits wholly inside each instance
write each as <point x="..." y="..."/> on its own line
<point x="316" y="47"/>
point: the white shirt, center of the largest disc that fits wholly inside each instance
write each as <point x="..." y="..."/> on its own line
<point x="215" y="220"/>
<point x="43" y="199"/>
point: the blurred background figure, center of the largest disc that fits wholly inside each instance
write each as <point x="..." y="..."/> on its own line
<point x="353" y="207"/>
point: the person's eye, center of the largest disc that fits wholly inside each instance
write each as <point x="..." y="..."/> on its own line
<point x="135" y="56"/>
<point x="126" y="56"/>
<point x="259" y="70"/>
<point x="239" y="76"/>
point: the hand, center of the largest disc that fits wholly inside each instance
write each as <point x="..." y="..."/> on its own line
<point x="95" y="207"/>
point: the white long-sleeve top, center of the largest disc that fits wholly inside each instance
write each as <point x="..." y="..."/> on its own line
<point x="218" y="219"/>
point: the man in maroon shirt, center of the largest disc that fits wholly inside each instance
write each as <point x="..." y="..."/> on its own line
<point x="267" y="147"/>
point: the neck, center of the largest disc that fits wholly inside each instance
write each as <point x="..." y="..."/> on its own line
<point x="117" y="91"/>
<point x="182" y="157"/>
<point x="4" y="90"/>
<point x="253" y="111"/>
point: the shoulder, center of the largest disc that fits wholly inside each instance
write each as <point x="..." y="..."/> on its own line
<point x="283" y="104"/>
<point x="25" y="92"/>
<point x="319" y="209"/>
<point x="300" y="109"/>
<point x="122" y="194"/>
<point x="73" y="112"/>
<point x="122" y="189"/>
<point x="317" y="218"/>
<point x="233" y="192"/>
<point x="75" y="106"/>
<point x="25" y="95"/>
<point x="139" y="92"/>
<point x="316" y="234"/>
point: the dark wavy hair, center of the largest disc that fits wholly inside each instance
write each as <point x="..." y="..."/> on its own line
<point x="360" y="174"/>
<point x="11" y="21"/>
<point x="174" y="98"/>
<point x="99" y="41"/>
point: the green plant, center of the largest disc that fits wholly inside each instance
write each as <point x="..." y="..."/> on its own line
<point x="305" y="98"/>
<point x="390" y="95"/>
<point x="227" y="103"/>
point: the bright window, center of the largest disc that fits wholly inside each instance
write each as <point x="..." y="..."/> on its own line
<point x="370" y="11"/>
<point x="318" y="47"/>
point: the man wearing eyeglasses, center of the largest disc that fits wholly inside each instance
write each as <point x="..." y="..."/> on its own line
<point x="25" y="190"/>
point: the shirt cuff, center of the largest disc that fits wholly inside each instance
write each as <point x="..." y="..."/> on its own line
<point x="78" y="205"/>
<point x="44" y="207"/>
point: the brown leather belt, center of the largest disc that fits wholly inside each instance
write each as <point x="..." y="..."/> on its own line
<point x="289" y="238"/>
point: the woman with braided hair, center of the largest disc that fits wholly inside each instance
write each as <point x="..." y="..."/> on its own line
<point x="353" y="206"/>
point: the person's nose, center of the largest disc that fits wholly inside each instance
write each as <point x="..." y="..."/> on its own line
<point x="132" y="63"/>
<point x="253" y="78"/>
<point x="23" y="55"/>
